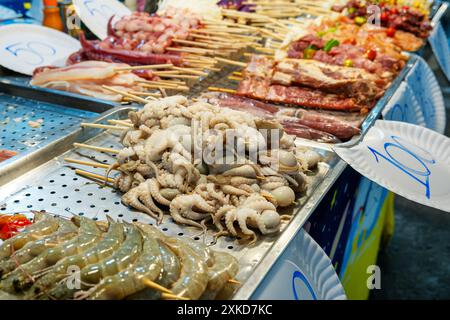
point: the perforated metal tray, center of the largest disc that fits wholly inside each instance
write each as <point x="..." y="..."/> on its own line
<point x="54" y="187"/>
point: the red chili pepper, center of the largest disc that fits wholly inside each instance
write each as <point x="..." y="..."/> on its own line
<point x="405" y="8"/>
<point x="351" y="41"/>
<point x="394" y="11"/>
<point x="10" y="225"/>
<point x="390" y="32"/>
<point x="371" y="54"/>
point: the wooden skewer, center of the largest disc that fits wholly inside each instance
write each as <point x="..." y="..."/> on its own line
<point x="235" y="78"/>
<point x="180" y="76"/>
<point x="126" y="94"/>
<point x="188" y="70"/>
<point x="237" y="73"/>
<point x="93" y="175"/>
<point x="145" y="67"/>
<point x="87" y="146"/>
<point x="199" y="44"/>
<point x="102" y="126"/>
<point x="87" y="163"/>
<point x="236" y="63"/>
<point x="176" y="88"/>
<point x="156" y="286"/>
<point x="146" y="94"/>
<point x="233" y="281"/>
<point x="158" y="73"/>
<point x="222" y="90"/>
<point x="168" y="296"/>
<point x="121" y="122"/>
<point x="191" y="50"/>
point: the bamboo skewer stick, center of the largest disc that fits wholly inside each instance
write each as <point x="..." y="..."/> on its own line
<point x="95" y="148"/>
<point x="145" y="67"/>
<point x="103" y="126"/>
<point x="232" y="62"/>
<point x="146" y="94"/>
<point x="233" y="281"/>
<point x="87" y="163"/>
<point x="91" y="175"/>
<point x="126" y="94"/>
<point x="222" y="90"/>
<point x="235" y="78"/>
<point x="169" y="87"/>
<point x="168" y="296"/>
<point x="197" y="43"/>
<point x="121" y="122"/>
<point x="180" y="76"/>
<point x="188" y="70"/>
<point x="156" y="286"/>
<point x="158" y="73"/>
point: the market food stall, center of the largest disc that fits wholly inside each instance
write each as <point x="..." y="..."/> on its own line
<point x="215" y="150"/>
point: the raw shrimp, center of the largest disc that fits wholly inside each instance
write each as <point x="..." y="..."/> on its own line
<point x="67" y="230"/>
<point x="111" y="240"/>
<point x="193" y="277"/>
<point x="125" y="255"/>
<point x="225" y="268"/>
<point x="22" y="277"/>
<point x="130" y="281"/>
<point x="44" y="224"/>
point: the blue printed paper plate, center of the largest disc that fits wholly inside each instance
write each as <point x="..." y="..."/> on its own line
<point x="303" y="272"/>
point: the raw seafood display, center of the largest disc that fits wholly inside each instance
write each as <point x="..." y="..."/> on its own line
<point x="210" y="166"/>
<point x="176" y="36"/>
<point x="110" y="261"/>
<point x="89" y="77"/>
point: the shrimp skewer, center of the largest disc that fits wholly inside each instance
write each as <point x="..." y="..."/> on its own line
<point x="66" y="231"/>
<point x="112" y="239"/>
<point x="21" y="278"/>
<point x="131" y="280"/>
<point x="92" y="274"/>
<point x="44" y="224"/>
<point x="224" y="269"/>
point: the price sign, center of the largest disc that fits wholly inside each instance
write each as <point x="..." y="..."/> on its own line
<point x="409" y="160"/>
<point x="404" y="107"/>
<point x="95" y="14"/>
<point x="25" y="47"/>
<point x="440" y="47"/>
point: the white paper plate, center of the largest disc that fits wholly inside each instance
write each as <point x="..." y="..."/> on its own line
<point x="95" y="14"/>
<point x="303" y="272"/>
<point x="407" y="159"/>
<point x="403" y="106"/>
<point x="427" y="91"/>
<point x="25" y="47"/>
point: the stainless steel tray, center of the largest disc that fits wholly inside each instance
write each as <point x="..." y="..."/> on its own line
<point x="53" y="186"/>
<point x="18" y="136"/>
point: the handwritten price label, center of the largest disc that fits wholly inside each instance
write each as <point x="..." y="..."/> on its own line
<point x="24" y="47"/>
<point x="95" y="14"/>
<point x="407" y="159"/>
<point x="415" y="164"/>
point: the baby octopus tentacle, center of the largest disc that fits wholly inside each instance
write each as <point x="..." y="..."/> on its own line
<point x="155" y="190"/>
<point x="131" y="198"/>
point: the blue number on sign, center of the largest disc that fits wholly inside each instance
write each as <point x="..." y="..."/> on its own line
<point x="414" y="174"/>
<point x="300" y="276"/>
<point x="37" y="49"/>
<point x="94" y="11"/>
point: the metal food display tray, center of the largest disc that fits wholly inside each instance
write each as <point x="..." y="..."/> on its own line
<point x="58" y="118"/>
<point x="53" y="186"/>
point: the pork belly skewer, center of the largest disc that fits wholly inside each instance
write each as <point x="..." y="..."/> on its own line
<point x="309" y="84"/>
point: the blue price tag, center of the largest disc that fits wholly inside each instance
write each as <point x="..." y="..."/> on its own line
<point x="441" y="50"/>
